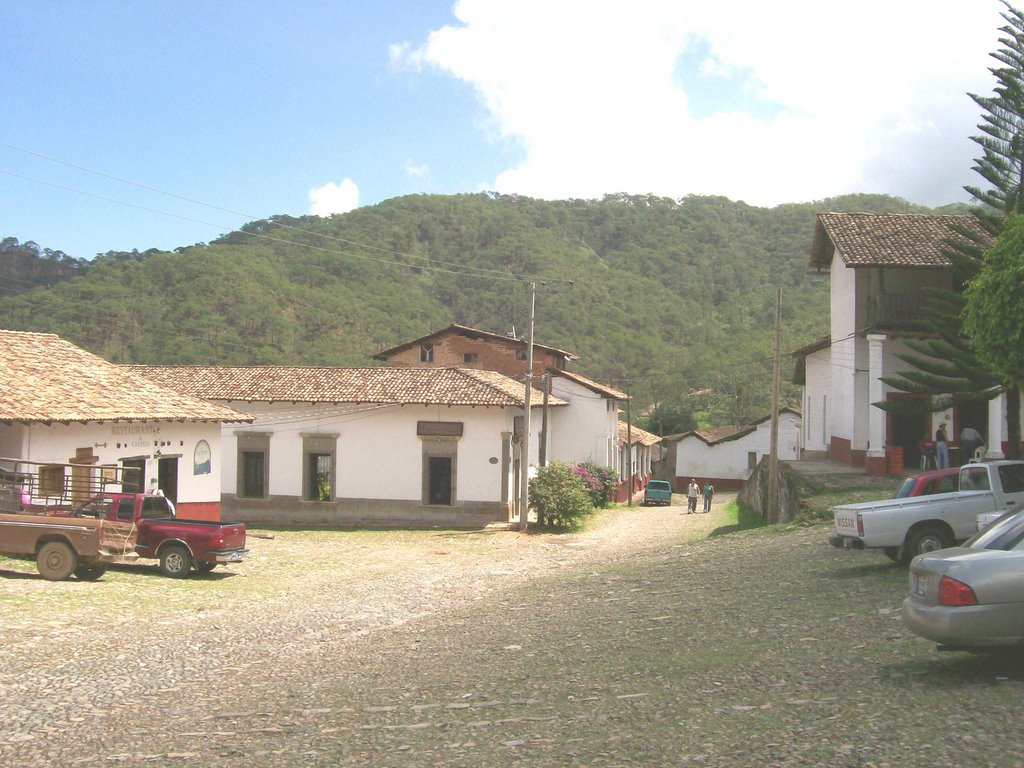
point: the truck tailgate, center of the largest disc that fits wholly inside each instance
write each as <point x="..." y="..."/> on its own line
<point x="234" y="536"/>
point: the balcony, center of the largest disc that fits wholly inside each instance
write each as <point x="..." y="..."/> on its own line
<point x="898" y="311"/>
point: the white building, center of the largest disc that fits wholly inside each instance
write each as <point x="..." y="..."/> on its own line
<point x="638" y="449"/>
<point x="588" y="428"/>
<point x="879" y="267"/>
<point x="405" y="446"/>
<point x="61" y="405"/>
<point x="728" y="455"/>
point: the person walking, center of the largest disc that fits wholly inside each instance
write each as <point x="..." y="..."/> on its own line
<point x="709" y="492"/>
<point x="692" y="492"/>
<point x="941" y="447"/>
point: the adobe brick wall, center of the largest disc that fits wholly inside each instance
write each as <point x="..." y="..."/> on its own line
<point x="492" y="355"/>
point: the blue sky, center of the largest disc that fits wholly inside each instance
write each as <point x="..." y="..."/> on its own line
<point x="251" y="109"/>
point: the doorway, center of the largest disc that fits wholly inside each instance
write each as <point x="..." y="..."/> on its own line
<point x="907" y="425"/>
<point x="133" y="478"/>
<point x="167" y="477"/>
<point x="439" y="480"/>
<point x="970" y="413"/>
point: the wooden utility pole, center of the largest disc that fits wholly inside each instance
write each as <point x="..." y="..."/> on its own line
<point x="524" y="460"/>
<point x="773" y="451"/>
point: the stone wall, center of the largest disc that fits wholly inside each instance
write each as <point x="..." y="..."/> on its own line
<point x="754" y="493"/>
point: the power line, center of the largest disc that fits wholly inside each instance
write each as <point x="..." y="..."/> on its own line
<point x="427" y="267"/>
<point x="483" y="271"/>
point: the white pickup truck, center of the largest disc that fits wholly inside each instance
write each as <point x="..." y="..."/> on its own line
<point x="904" y="528"/>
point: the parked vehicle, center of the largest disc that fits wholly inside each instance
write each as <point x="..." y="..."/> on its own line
<point x="658" y="492"/>
<point x="971" y="597"/>
<point x="52" y="488"/>
<point x="904" y="528"/>
<point x="931" y="482"/>
<point x="63" y="546"/>
<point x="179" y="545"/>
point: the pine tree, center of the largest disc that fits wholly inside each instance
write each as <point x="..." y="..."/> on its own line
<point x="947" y="363"/>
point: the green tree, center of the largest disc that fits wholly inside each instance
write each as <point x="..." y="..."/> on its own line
<point x="994" y="310"/>
<point x="948" y="364"/>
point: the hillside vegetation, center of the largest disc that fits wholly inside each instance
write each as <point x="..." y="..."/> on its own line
<point x="666" y="297"/>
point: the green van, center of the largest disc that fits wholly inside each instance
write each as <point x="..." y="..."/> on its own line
<point x="658" y="492"/>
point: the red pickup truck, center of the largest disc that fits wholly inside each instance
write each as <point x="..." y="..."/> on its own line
<point x="179" y="545"/>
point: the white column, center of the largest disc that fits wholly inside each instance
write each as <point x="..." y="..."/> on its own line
<point x="876" y="393"/>
<point x="994" y="439"/>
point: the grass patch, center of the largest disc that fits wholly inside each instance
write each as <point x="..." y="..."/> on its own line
<point x="817" y="501"/>
<point x="745" y="517"/>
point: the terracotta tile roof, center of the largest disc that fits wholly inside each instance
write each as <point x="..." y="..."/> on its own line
<point x="713" y="435"/>
<point x="886" y="239"/>
<point x="639" y="436"/>
<point x="716" y="435"/>
<point x="381" y="385"/>
<point x="601" y="389"/>
<point x="44" y="378"/>
<point x="472" y="333"/>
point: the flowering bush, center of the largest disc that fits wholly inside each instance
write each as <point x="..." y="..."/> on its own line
<point x="600" y="482"/>
<point x="559" y="496"/>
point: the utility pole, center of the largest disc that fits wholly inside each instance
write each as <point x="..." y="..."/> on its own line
<point x="524" y="461"/>
<point x="773" y="452"/>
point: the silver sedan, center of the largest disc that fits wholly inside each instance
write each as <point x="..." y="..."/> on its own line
<point x="971" y="597"/>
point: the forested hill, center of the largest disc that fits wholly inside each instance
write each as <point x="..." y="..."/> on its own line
<point x="676" y="296"/>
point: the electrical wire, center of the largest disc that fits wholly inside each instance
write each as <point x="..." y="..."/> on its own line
<point x="462" y="269"/>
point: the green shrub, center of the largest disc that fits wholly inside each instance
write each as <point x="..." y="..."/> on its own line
<point x="559" y="496"/>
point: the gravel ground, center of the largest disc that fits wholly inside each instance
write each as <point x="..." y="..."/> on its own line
<point x="654" y="638"/>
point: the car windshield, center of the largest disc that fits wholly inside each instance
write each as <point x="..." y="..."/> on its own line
<point x="1006" y="533"/>
<point x="658" y="485"/>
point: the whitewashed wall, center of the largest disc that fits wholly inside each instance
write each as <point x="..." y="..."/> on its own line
<point x="114" y="442"/>
<point x="817" y="401"/>
<point x="729" y="459"/>
<point x="586" y="429"/>
<point x="379" y="455"/>
<point x="843" y="357"/>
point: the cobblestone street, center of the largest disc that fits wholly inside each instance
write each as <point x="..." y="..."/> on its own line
<point x="643" y="641"/>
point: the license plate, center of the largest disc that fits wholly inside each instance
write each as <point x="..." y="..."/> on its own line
<point x="920" y="585"/>
<point x="236" y="557"/>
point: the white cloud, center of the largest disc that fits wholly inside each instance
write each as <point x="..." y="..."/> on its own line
<point x="334" y="198"/>
<point x="766" y="102"/>
<point x="416" y="170"/>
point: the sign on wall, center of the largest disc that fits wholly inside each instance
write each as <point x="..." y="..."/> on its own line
<point x="201" y="459"/>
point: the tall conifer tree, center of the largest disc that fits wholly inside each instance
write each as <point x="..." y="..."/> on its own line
<point x="947" y="363"/>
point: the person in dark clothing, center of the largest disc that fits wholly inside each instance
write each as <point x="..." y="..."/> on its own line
<point x="941" y="447"/>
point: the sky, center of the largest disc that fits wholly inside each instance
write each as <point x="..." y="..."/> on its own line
<point x="137" y="125"/>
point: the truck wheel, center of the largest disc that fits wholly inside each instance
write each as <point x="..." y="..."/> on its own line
<point x="175" y="561"/>
<point x="90" y="572"/>
<point x="56" y="561"/>
<point x="927" y="539"/>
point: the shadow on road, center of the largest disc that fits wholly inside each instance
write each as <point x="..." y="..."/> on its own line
<point x="959" y="669"/>
<point x="860" y="571"/>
